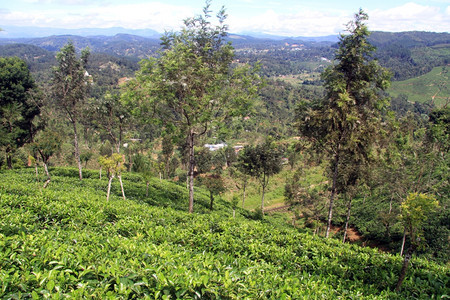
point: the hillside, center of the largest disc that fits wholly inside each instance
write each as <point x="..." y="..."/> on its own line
<point x="67" y="241"/>
<point x="433" y="87"/>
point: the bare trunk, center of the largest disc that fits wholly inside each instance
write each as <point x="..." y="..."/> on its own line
<point x="77" y="150"/>
<point x="146" y="192"/>
<point x="36" y="171"/>
<point x="333" y="194"/>
<point x="405" y="265"/>
<point x="348" y="219"/>
<point x="191" y="171"/>
<point x="243" y="195"/>
<point x="9" y="160"/>
<point x="121" y="186"/>
<point x="47" y="182"/>
<point x="403" y="243"/>
<point x="211" y="198"/>
<point x="390" y="205"/>
<point x="109" y="188"/>
<point x="234" y="213"/>
<point x="264" y="184"/>
<point x="262" y="198"/>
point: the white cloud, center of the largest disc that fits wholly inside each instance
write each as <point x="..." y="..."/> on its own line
<point x="410" y="16"/>
<point x="301" y="23"/>
<point x="161" y="16"/>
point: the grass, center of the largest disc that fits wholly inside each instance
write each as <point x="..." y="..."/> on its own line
<point x="433" y="86"/>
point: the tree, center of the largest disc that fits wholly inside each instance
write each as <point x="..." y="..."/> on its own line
<point x="111" y="117"/>
<point x="70" y="88"/>
<point x="114" y="166"/>
<point x="214" y="184"/>
<point x="192" y="87"/>
<point x="46" y="144"/>
<point x="344" y="125"/>
<point x="16" y="110"/>
<point x="261" y="162"/>
<point x="415" y="211"/>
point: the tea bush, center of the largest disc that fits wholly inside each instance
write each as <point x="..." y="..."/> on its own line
<point x="67" y="241"/>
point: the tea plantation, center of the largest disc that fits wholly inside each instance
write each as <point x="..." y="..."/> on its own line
<point x="66" y="241"/>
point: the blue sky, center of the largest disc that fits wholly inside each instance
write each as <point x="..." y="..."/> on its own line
<point x="278" y="17"/>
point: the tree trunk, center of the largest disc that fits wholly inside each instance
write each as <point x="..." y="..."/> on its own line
<point x="403" y="243"/>
<point x="243" y="194"/>
<point x="191" y="171"/>
<point x="77" y="149"/>
<point x="9" y="160"/>
<point x="36" y="171"/>
<point x="333" y="194"/>
<point x="211" y="198"/>
<point x="146" y="192"/>
<point x="348" y="218"/>
<point x="234" y="213"/>
<point x="100" y="173"/>
<point x="406" y="260"/>
<point x="109" y="188"/>
<point x="47" y="182"/>
<point x="262" y="198"/>
<point x="121" y="186"/>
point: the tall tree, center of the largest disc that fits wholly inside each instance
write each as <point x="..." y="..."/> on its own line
<point x="344" y="125"/>
<point x="70" y="88"/>
<point x="192" y="86"/>
<point x="16" y="110"/>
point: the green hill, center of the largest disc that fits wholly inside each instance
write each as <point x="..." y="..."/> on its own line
<point x="67" y="241"/>
<point x="433" y="86"/>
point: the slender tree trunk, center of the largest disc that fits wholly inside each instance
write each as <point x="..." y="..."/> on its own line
<point x="348" y="218"/>
<point x="405" y="265"/>
<point x="262" y="198"/>
<point x="243" y="194"/>
<point x="47" y="182"/>
<point x="77" y="149"/>
<point x="121" y="185"/>
<point x="191" y="171"/>
<point x="403" y="243"/>
<point x="234" y="213"/>
<point x="333" y="194"/>
<point x="211" y="198"/>
<point x="109" y="188"/>
<point x="36" y="171"/>
<point x="146" y="192"/>
<point x="9" y="160"/>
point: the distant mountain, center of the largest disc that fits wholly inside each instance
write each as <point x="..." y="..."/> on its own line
<point x="11" y="32"/>
<point x="120" y="44"/>
<point x="328" y="38"/>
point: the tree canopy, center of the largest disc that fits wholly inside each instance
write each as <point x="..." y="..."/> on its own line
<point x="16" y="108"/>
<point x="344" y="125"/>
<point x="193" y="87"/>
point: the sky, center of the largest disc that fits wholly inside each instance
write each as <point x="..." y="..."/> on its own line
<point x="276" y="17"/>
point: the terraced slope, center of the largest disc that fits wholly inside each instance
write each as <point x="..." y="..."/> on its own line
<point x="67" y="241"/>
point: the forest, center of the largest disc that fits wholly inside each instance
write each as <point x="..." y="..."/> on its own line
<point x="205" y="166"/>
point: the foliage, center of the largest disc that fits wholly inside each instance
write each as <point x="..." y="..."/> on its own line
<point x="191" y="86"/>
<point x="345" y="124"/>
<point x="70" y="87"/>
<point x="261" y="162"/>
<point x="17" y="111"/>
<point x="415" y="211"/>
<point x="68" y="242"/>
